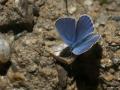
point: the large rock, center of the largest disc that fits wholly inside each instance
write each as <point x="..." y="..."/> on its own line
<point x="15" y="16"/>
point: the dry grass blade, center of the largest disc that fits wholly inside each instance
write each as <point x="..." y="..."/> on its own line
<point x="60" y="59"/>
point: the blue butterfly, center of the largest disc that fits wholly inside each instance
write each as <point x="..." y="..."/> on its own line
<point x="78" y="35"/>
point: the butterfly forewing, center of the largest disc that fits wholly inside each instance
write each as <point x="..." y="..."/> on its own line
<point x="66" y="29"/>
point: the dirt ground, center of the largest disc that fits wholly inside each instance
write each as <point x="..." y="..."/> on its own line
<point x="31" y="67"/>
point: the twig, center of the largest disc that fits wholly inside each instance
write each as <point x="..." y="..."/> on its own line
<point x="60" y="59"/>
<point x="66" y="4"/>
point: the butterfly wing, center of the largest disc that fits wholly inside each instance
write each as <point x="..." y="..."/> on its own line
<point x="84" y="46"/>
<point x="84" y="27"/>
<point x="66" y="29"/>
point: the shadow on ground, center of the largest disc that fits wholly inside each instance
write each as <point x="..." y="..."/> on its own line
<point x="84" y="70"/>
<point x="16" y="27"/>
<point x="4" y="67"/>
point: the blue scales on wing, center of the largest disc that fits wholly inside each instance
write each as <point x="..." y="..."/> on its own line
<point x="85" y="38"/>
<point x="87" y="43"/>
<point x="84" y="27"/>
<point x="66" y="29"/>
<point x="79" y="36"/>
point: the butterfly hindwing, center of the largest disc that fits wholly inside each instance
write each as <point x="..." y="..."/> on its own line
<point x="66" y="29"/>
<point x="88" y="42"/>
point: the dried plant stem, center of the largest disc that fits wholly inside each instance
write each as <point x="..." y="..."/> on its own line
<point x="66" y="5"/>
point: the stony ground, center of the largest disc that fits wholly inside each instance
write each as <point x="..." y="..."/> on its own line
<point x="31" y="67"/>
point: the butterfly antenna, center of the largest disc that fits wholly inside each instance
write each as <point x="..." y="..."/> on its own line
<point x="66" y="5"/>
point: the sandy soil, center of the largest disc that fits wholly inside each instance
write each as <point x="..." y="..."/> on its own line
<point x="31" y="67"/>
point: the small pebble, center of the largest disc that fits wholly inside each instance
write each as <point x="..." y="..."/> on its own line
<point x="32" y="69"/>
<point x="117" y="54"/>
<point x="116" y="18"/>
<point x="114" y="48"/>
<point x="117" y="75"/>
<point x="113" y="83"/>
<point x="116" y="61"/>
<point x="106" y="62"/>
<point x="88" y="2"/>
<point x="15" y="76"/>
<point x="117" y="2"/>
<point x="112" y="7"/>
<point x="72" y="9"/>
<point x="119" y="68"/>
<point x="25" y="10"/>
<point x="102" y="19"/>
<point x="110" y="88"/>
<point x="48" y="72"/>
<point x="103" y="1"/>
<point x="3" y="83"/>
<point x="3" y="1"/>
<point x="108" y="76"/>
<point x="22" y="6"/>
<point x="4" y="50"/>
<point x="112" y="70"/>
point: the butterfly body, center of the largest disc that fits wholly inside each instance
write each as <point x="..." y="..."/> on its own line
<point x="78" y="35"/>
